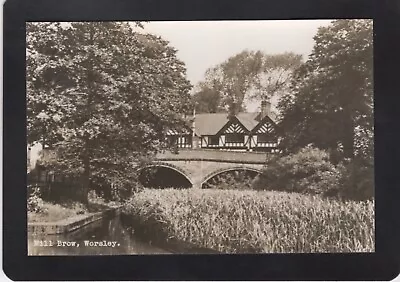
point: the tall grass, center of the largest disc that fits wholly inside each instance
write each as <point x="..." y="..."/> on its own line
<point x="235" y="221"/>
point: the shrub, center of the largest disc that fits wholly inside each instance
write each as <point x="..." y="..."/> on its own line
<point x="235" y="221"/>
<point x="34" y="202"/>
<point x="357" y="180"/>
<point x="308" y="171"/>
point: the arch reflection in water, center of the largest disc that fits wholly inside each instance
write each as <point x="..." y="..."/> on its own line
<point x="163" y="177"/>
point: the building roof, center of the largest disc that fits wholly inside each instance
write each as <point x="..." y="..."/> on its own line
<point x="211" y="123"/>
<point x="248" y="120"/>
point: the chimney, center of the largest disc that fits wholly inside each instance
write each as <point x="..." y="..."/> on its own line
<point x="233" y="109"/>
<point x="265" y="108"/>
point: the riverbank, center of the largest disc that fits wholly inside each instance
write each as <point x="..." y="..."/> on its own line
<point x="50" y="212"/>
<point x="53" y="218"/>
<point x="69" y="224"/>
<point x="252" y="221"/>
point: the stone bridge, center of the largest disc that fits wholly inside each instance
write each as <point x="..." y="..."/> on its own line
<point x="199" y="166"/>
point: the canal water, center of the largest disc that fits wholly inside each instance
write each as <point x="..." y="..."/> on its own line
<point x="104" y="237"/>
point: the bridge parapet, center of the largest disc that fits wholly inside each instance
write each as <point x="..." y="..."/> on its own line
<point x="216" y="156"/>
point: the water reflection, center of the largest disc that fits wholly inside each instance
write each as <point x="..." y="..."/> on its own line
<point x="108" y="231"/>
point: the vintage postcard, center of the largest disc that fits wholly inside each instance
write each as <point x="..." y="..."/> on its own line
<point x="200" y="137"/>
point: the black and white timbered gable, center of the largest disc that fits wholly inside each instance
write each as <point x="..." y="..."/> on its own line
<point x="234" y="134"/>
<point x="265" y="135"/>
<point x="235" y="128"/>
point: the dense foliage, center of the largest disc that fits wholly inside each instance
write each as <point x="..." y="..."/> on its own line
<point x="357" y="180"/>
<point x="208" y="100"/>
<point x="34" y="202"/>
<point x="330" y="104"/>
<point x="249" y="221"/>
<point x="101" y="95"/>
<point x="308" y="171"/>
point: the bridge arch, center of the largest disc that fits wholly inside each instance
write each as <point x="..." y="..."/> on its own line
<point x="230" y="169"/>
<point x="163" y="178"/>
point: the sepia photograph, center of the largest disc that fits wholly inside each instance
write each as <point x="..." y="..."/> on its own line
<point x="200" y="137"/>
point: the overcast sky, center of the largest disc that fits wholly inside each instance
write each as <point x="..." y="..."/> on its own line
<point x="203" y="44"/>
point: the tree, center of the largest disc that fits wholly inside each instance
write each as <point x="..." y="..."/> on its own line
<point x="248" y="75"/>
<point x="331" y="102"/>
<point x="207" y="100"/>
<point x="102" y="95"/>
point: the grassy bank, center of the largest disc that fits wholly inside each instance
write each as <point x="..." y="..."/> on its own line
<point x="249" y="221"/>
<point x="51" y="212"/>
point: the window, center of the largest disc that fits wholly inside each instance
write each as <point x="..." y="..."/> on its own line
<point x="213" y="140"/>
<point x="264" y="138"/>
<point x="172" y="140"/>
<point x="235" y="138"/>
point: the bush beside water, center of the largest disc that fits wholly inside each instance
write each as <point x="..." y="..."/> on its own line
<point x="309" y="171"/>
<point x="234" y="221"/>
<point x="357" y="180"/>
<point x="34" y="202"/>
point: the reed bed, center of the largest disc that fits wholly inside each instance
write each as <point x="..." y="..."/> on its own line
<point x="233" y="221"/>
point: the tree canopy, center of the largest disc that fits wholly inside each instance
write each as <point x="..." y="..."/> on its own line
<point x="208" y="100"/>
<point x="101" y="95"/>
<point x="330" y="103"/>
<point x="249" y="75"/>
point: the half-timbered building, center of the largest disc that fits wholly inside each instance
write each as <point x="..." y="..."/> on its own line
<point x="264" y="136"/>
<point x="245" y="131"/>
<point x="181" y="138"/>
